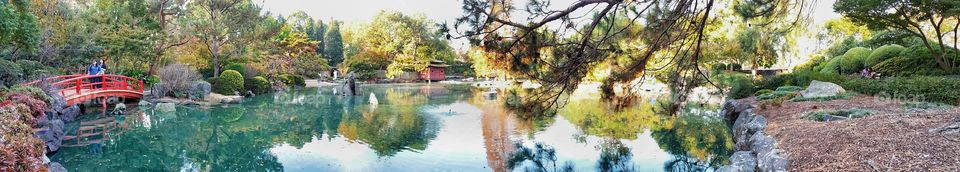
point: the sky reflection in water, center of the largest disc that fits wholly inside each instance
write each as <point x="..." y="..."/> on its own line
<point x="413" y="128"/>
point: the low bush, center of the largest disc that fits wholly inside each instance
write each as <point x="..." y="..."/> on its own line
<point x="10" y="73"/>
<point x="823" y="115"/>
<point x="739" y="85"/>
<point x="789" y="88"/>
<point x="177" y="79"/>
<point x="924" y="105"/>
<point x="777" y="95"/>
<point x="844" y="95"/>
<point x="258" y="85"/>
<point x="883" y="53"/>
<point x="294" y="80"/>
<point x="229" y="82"/>
<point x="33" y="70"/>
<point x="763" y="91"/>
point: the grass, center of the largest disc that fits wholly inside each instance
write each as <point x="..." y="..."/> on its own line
<point x="848" y="113"/>
<point x="844" y="95"/>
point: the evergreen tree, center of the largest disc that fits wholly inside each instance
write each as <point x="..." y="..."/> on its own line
<point x="333" y="44"/>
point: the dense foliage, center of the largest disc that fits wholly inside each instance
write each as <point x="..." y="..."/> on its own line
<point x="228" y="83"/>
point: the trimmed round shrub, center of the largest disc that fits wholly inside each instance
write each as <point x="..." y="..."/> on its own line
<point x="258" y="85"/>
<point x="883" y="53"/>
<point x="832" y="66"/>
<point x="852" y="61"/>
<point x="229" y="82"/>
<point x="10" y="73"/>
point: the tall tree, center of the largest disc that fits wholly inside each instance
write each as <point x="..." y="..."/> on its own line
<point x="167" y="12"/>
<point x="925" y="19"/>
<point x="318" y="35"/>
<point x="769" y="26"/>
<point x="18" y="28"/>
<point x="125" y="30"/>
<point x="333" y="44"/>
<point x="219" y="23"/>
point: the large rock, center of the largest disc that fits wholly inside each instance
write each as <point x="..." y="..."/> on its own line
<point x="200" y="90"/>
<point x="166" y="107"/>
<point x="53" y="136"/>
<point x="55" y="167"/>
<point x="773" y="161"/>
<point x="231" y="99"/>
<point x="745" y="127"/>
<point x="761" y="143"/>
<point x="70" y="114"/>
<point x="821" y="89"/>
<point x="741" y="161"/>
<point x="350" y="85"/>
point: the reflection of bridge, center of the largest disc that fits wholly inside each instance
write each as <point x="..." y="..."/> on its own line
<point x="78" y="88"/>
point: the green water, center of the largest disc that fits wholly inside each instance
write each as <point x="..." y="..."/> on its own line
<point x="413" y="128"/>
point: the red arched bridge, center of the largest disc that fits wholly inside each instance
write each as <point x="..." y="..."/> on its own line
<point x="78" y="88"/>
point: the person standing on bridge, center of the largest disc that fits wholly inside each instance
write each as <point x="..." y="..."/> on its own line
<point x="94" y="69"/>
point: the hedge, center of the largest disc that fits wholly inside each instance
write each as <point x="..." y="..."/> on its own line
<point x="10" y="73"/>
<point x="853" y="60"/>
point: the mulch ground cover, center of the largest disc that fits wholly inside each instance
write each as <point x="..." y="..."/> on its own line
<point x="893" y="139"/>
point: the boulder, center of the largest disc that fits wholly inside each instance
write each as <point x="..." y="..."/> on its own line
<point x="773" y="161"/>
<point x="58" y="102"/>
<point x="144" y="104"/>
<point x="761" y="143"/>
<point x="745" y="127"/>
<point x="166" y="107"/>
<point x="741" y="161"/>
<point x="821" y="89"/>
<point x="53" y="136"/>
<point x="199" y="90"/>
<point x="168" y="100"/>
<point x="70" y="114"/>
<point x="56" y="167"/>
<point x="231" y="99"/>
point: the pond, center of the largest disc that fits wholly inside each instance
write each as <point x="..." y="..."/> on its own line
<point x="416" y="127"/>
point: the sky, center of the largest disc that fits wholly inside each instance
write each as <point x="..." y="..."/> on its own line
<point x="353" y="11"/>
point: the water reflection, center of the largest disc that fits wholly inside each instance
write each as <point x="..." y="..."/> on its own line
<point x="412" y="128"/>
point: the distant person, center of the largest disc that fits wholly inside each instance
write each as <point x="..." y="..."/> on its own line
<point x="94" y="69"/>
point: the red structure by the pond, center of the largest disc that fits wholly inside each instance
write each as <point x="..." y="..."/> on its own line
<point x="434" y="71"/>
<point x="78" y="88"/>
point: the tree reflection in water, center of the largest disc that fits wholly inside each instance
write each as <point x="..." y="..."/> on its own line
<point x="539" y="158"/>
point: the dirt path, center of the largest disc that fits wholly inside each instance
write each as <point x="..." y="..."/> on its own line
<point x="891" y="140"/>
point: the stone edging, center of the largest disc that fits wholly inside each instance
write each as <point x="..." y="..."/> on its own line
<point x="755" y="150"/>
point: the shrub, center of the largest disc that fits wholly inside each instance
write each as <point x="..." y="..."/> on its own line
<point x="846" y="113"/>
<point x="761" y="92"/>
<point x="10" y="73"/>
<point x="740" y="85"/>
<point x="924" y="105"/>
<point x="772" y="82"/>
<point x="229" y="82"/>
<point x="177" y="78"/>
<point x="883" y="53"/>
<point x="832" y="66"/>
<point x="239" y="67"/>
<point x="844" y="95"/>
<point x="789" y="88"/>
<point x="258" y="84"/>
<point x="933" y="89"/>
<point x="21" y="148"/>
<point x="34" y="70"/>
<point x="811" y="63"/>
<point x="294" y="80"/>
<point x="852" y="61"/>
<point x="777" y="95"/>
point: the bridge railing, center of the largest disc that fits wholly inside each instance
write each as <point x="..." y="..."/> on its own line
<point x="78" y="84"/>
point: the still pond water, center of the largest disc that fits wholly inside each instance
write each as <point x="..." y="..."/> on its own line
<point x="414" y="128"/>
